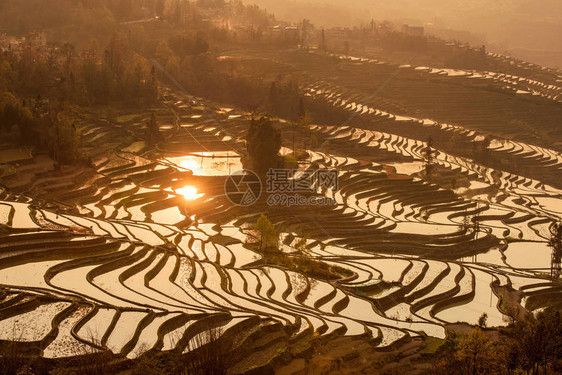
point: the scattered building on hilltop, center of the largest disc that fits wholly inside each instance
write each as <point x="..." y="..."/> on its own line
<point x="413" y="30"/>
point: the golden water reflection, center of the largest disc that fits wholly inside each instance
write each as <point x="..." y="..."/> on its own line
<point x="190" y="193"/>
<point x="209" y="163"/>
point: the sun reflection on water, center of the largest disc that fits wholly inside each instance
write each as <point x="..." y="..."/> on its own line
<point x="209" y="163"/>
<point x="191" y="164"/>
<point x="190" y="193"/>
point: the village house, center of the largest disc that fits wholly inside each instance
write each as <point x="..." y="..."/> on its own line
<point x="413" y="30"/>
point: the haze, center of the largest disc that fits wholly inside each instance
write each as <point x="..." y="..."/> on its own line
<point x="527" y="29"/>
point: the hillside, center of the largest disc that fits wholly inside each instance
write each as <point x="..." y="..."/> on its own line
<point x="125" y="246"/>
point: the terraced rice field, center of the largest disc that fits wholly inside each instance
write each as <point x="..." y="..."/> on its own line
<point x="144" y="251"/>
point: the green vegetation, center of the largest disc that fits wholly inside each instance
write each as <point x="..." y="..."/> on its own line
<point x="95" y="88"/>
<point x="428" y="154"/>
<point x="555" y="242"/>
<point x="126" y="119"/>
<point x="483" y="320"/>
<point x="50" y="127"/>
<point x="302" y="245"/>
<point x="431" y="345"/>
<point x="263" y="143"/>
<point x="268" y="244"/>
<point x="14" y="113"/>
<point x="308" y="266"/>
<point x="153" y="135"/>
<point x="62" y="137"/>
<point x="266" y="233"/>
<point x="89" y="54"/>
<point x="530" y="346"/>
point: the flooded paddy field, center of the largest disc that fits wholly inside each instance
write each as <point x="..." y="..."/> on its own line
<point x="145" y="251"/>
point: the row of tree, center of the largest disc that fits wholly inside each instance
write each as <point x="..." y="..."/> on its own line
<point x="530" y="346"/>
<point x="94" y="76"/>
<point x="48" y="126"/>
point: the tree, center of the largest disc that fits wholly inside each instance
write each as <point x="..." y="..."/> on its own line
<point x="273" y="97"/>
<point x="531" y="346"/>
<point x="12" y="112"/>
<point x="555" y="242"/>
<point x="483" y="320"/>
<point x="476" y="353"/>
<point x="62" y="138"/>
<point x="266" y="233"/>
<point x="464" y="226"/>
<point x="302" y="244"/>
<point x="263" y="143"/>
<point x="153" y="86"/>
<point x="428" y="155"/>
<point x="306" y="28"/>
<point x="476" y="221"/>
<point x="301" y="113"/>
<point x="201" y="45"/>
<point x="114" y="55"/>
<point x="153" y="135"/>
<point x="535" y="343"/>
<point x="68" y="52"/>
<point x="304" y="125"/>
